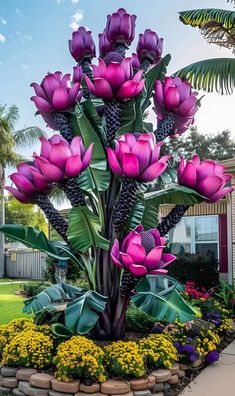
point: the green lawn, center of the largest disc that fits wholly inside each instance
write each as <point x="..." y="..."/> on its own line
<point x="10" y="304"/>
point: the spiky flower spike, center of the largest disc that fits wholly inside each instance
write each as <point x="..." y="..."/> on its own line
<point x="165" y="127"/>
<point x="72" y="192"/>
<point x="141" y="253"/>
<point x="64" y="126"/>
<point x="125" y="204"/>
<point x="112" y="114"/>
<point x="59" y="223"/>
<point x="172" y="219"/>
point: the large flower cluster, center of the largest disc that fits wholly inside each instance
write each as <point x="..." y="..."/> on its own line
<point x="124" y="359"/>
<point x="195" y="292"/>
<point x="28" y="349"/>
<point x="158" y="351"/>
<point x="79" y="358"/>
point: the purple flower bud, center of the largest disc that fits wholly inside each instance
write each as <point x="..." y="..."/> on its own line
<point x="149" y="46"/>
<point x="120" y="27"/>
<point x="82" y="45"/>
<point x="206" y="177"/>
<point x="141" y="257"/>
<point x="104" y="45"/>
<point x="212" y="356"/>
<point x="77" y="74"/>
<point x="135" y="61"/>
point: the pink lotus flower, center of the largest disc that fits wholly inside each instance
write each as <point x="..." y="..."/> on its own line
<point x="149" y="46"/>
<point x="59" y="159"/>
<point x="104" y="45"/>
<point x="117" y="80"/>
<point x="176" y="96"/>
<point x="207" y="177"/>
<point x="141" y="252"/>
<point x="120" y="27"/>
<point x="137" y="156"/>
<point x="82" y="45"/>
<point x="28" y="181"/>
<point x="55" y="93"/>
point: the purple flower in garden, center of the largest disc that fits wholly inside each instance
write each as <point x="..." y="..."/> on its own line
<point x="175" y="96"/>
<point x="137" y="156"/>
<point x="141" y="252"/>
<point x="82" y="45"/>
<point x="135" y="61"/>
<point x="104" y="45"/>
<point x="59" y="159"/>
<point x="28" y="181"/>
<point x="55" y="94"/>
<point x="188" y="348"/>
<point x="117" y="80"/>
<point x="120" y="27"/>
<point x="212" y="356"/>
<point x="149" y="46"/>
<point x="194" y="357"/>
<point x="77" y="74"/>
<point x="207" y="177"/>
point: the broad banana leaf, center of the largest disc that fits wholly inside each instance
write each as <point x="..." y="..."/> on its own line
<point x="173" y="194"/>
<point x="197" y="18"/>
<point x="158" y="283"/>
<point x="84" y="229"/>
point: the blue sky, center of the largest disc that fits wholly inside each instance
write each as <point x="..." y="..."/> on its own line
<point x="34" y="35"/>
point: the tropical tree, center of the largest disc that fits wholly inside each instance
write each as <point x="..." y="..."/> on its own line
<point x="11" y="140"/>
<point x="218" y="27"/>
<point x="106" y="158"/>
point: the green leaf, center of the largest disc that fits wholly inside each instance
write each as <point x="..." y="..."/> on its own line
<point x="128" y="115"/>
<point x="82" y="314"/>
<point x="156" y="72"/>
<point x="211" y="75"/>
<point x="201" y="16"/>
<point x="168" y="308"/>
<point x="158" y="283"/>
<point x="174" y="194"/>
<point x="61" y="330"/>
<point x="90" y="178"/>
<point x="150" y="217"/>
<point x="84" y="228"/>
<point x="93" y="117"/>
<point x="136" y="215"/>
<point x="30" y="237"/>
<point x="59" y="293"/>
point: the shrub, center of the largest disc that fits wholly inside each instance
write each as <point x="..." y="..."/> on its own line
<point x="73" y="273"/>
<point x="124" y="359"/>
<point x="33" y="288"/>
<point x="16" y="326"/>
<point x="79" y="358"/>
<point x="28" y="349"/>
<point x="138" y="321"/>
<point x="158" y="351"/>
<point x="202" y="270"/>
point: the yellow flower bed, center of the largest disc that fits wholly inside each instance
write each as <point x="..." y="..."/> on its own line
<point x="158" y="351"/>
<point x="124" y="359"/>
<point x="28" y="349"/>
<point x="79" y="358"/>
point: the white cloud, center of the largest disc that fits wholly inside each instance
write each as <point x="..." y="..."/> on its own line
<point x="2" y="38"/>
<point x="27" y="37"/>
<point x="24" y="66"/>
<point x="75" y="1"/>
<point x="3" y="21"/>
<point x="76" y="19"/>
<point x="59" y="1"/>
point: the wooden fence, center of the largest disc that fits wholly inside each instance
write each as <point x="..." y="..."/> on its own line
<point x="27" y="265"/>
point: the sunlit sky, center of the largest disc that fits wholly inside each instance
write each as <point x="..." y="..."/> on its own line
<point x="34" y="36"/>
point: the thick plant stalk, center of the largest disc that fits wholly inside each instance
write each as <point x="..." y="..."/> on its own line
<point x="64" y="126"/>
<point x="172" y="219"/>
<point x="86" y="68"/>
<point x="125" y="204"/>
<point x="121" y="49"/>
<point x="165" y="127"/>
<point x="128" y="283"/>
<point x="73" y="192"/>
<point x="112" y="113"/>
<point x="59" y="223"/>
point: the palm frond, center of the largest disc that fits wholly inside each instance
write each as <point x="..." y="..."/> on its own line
<point x="216" y="25"/>
<point x="211" y="75"/>
<point x="28" y="136"/>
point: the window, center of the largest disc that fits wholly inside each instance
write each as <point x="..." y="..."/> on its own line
<point x="197" y="234"/>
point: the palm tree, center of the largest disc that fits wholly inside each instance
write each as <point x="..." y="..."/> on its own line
<point x="10" y="140"/>
<point x="218" y="27"/>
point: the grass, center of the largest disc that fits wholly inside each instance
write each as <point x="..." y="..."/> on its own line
<point x="10" y="305"/>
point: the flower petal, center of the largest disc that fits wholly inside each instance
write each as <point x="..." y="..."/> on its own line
<point x="189" y="176"/>
<point x="142" y="150"/>
<point x="138" y="270"/>
<point x="126" y="260"/>
<point x="166" y="259"/>
<point x="87" y="157"/>
<point x="18" y="195"/>
<point x="153" y="258"/>
<point x="73" y="166"/>
<point x="59" y="154"/>
<point x="103" y="89"/>
<point x="130" y="165"/>
<point x="60" y="99"/>
<point x="42" y="105"/>
<point x="220" y="194"/>
<point x="153" y="171"/>
<point x="113" y="162"/>
<point x="137" y="252"/>
<point x="209" y="185"/>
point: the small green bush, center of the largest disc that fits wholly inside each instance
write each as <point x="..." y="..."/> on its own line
<point x="138" y="321"/>
<point x="202" y="270"/>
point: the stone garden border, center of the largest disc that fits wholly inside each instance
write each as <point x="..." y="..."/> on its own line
<point x="27" y="381"/>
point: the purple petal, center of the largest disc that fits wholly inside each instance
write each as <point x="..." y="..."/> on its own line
<point x="220" y="194"/>
<point x="126" y="260"/>
<point x="130" y="165"/>
<point x="133" y="236"/>
<point x="205" y="169"/>
<point x="115" y="75"/>
<point x="103" y="89"/>
<point x="90" y="85"/>
<point x="187" y="105"/>
<point x="60" y="99"/>
<point x="138" y="270"/>
<point x="59" y="154"/>
<point x="166" y="259"/>
<point x="73" y="166"/>
<point x="50" y="171"/>
<point x="39" y="91"/>
<point x="87" y="157"/>
<point x="127" y="90"/>
<point x="209" y="185"/>
<point x="49" y="84"/>
<point x="155" y="233"/>
<point x="22" y="183"/>
<point x="75" y="145"/>
<point x="73" y="93"/>
<point x="17" y="194"/>
<point x="113" y="162"/>
<point x="189" y="176"/>
<point x="137" y="252"/>
<point x="42" y="105"/>
<point x="45" y="147"/>
<point x="181" y="169"/>
<point x="115" y="254"/>
<point x="156" y="152"/>
<point x="172" y="98"/>
<point x="158" y="92"/>
<point x="153" y="258"/>
<point x="184" y="90"/>
<point x="158" y="272"/>
<point x="153" y="171"/>
<point x="142" y="150"/>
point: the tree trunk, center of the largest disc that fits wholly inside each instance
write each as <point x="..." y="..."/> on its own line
<point x="2" y="220"/>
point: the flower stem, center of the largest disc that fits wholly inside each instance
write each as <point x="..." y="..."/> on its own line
<point x="172" y="219"/>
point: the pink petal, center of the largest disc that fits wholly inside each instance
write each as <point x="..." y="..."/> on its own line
<point x="138" y="270"/>
<point x="59" y="154"/>
<point x="75" y="146"/>
<point x="103" y="89"/>
<point x="205" y="169"/>
<point x="130" y="139"/>
<point x="153" y="258"/>
<point x="139" y="88"/>
<point x="153" y="171"/>
<point x="22" y="183"/>
<point x="49" y="84"/>
<point x="127" y="90"/>
<point x="90" y="85"/>
<point x="155" y="233"/>
<point x="50" y="171"/>
<point x="137" y="76"/>
<point x="187" y="105"/>
<point x="156" y="152"/>
<point x="121" y="148"/>
<point x="39" y="91"/>
<point x="73" y="93"/>
<point x="172" y="98"/>
<point x="142" y="150"/>
<point x="181" y="169"/>
<point x="158" y="92"/>
<point x="126" y="260"/>
<point x="45" y="147"/>
<point x="220" y="194"/>
<point x="184" y="89"/>
<point x="158" y="272"/>
<point x="73" y="166"/>
<point x="113" y="162"/>
<point x="60" y="99"/>
<point x="17" y="194"/>
<point x="25" y="169"/>
<point x="42" y="105"/>
<point x="40" y="181"/>
<point x="196" y="159"/>
<point x="137" y="252"/>
<point x="87" y="157"/>
<point x="167" y="258"/>
<point x="189" y="176"/>
<point x="209" y="185"/>
<point x="133" y="236"/>
<point x="115" y="254"/>
<point x="115" y="75"/>
<point x="130" y="165"/>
